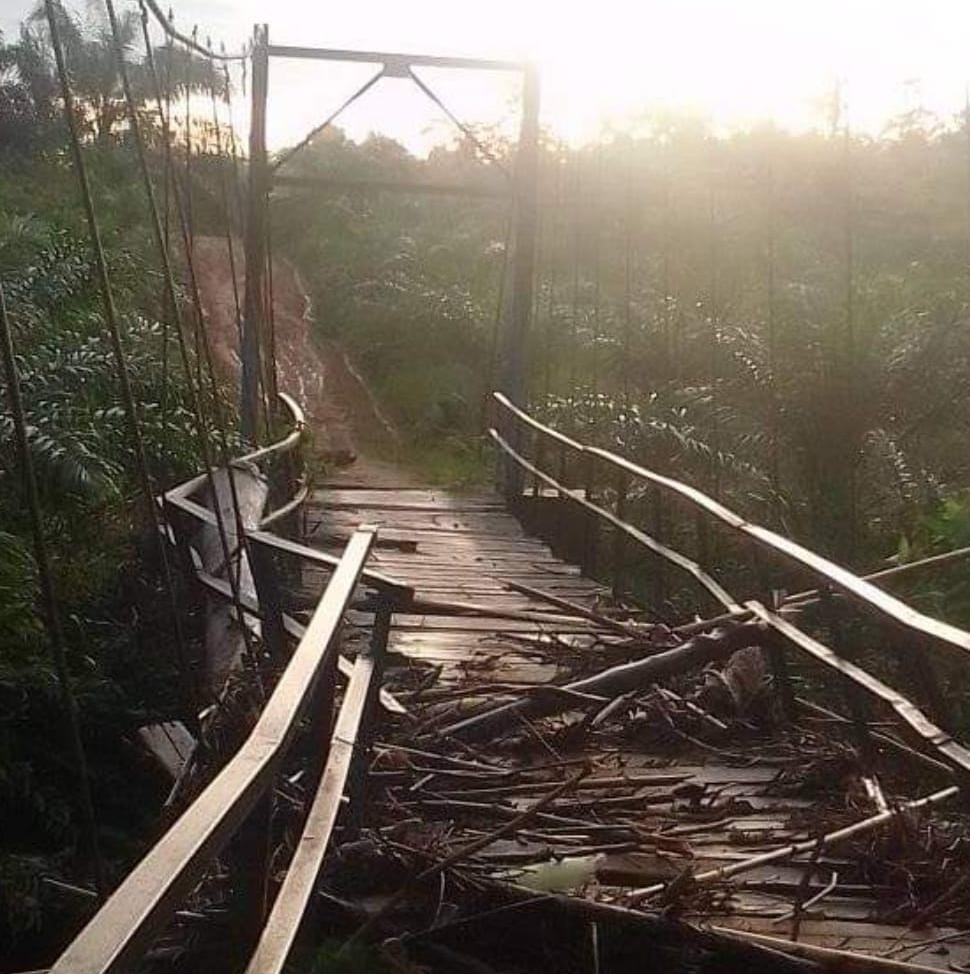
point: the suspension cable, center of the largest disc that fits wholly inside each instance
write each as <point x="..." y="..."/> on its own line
<point x="192" y="43"/>
<point x="233" y="147"/>
<point x="574" y="310"/>
<point x="458" y="123"/>
<point x="271" y="378"/>
<point x="627" y="273"/>
<point x="551" y="237"/>
<point x="226" y="201"/>
<point x="771" y="232"/>
<point x="189" y="241"/>
<point x="195" y="397"/>
<point x="598" y="201"/>
<point x="187" y="234"/>
<point x="165" y="256"/>
<point x="327" y="122"/>
<point x="498" y="318"/>
<point x="166" y="121"/>
<point x="51" y="612"/>
<point x="714" y="313"/>
<point x="670" y="362"/>
<point x="203" y="349"/>
<point x="121" y="364"/>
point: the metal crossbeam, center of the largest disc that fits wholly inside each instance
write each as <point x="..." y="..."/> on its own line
<point x="394" y="63"/>
<point x="395" y="186"/>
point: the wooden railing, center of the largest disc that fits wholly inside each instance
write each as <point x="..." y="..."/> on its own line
<point x="598" y="484"/>
<point x="187" y="511"/>
<point x="141" y="908"/>
<point x="143" y="905"/>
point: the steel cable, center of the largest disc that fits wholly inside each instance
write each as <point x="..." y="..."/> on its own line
<point x="226" y="201"/>
<point x="326" y="123"/>
<point x="459" y="124"/>
<point x="169" y="277"/>
<point x="189" y="42"/>
<point x="121" y="364"/>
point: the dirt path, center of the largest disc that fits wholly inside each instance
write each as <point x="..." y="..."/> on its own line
<point x="348" y="430"/>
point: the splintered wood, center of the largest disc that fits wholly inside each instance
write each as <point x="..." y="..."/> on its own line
<point x="556" y="743"/>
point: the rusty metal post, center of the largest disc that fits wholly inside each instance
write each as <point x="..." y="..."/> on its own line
<point x="321" y="725"/>
<point x="540" y="449"/>
<point x="702" y="530"/>
<point x="591" y="532"/>
<point x="775" y="648"/>
<point x="916" y="662"/>
<point x="778" y="662"/>
<point x="659" y="574"/>
<point x="619" y="537"/>
<point x="858" y="705"/>
<point x="254" y="302"/>
<point x="519" y="319"/>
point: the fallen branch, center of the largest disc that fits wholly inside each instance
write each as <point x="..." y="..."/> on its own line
<point x="616" y="680"/>
<point x="511" y="826"/>
<point x="861" y="827"/>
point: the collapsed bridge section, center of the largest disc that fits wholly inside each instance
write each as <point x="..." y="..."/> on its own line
<point x="739" y="788"/>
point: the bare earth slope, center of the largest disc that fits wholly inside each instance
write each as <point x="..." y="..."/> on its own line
<point x="348" y="428"/>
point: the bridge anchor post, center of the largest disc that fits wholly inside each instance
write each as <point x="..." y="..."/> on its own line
<point x="254" y="301"/>
<point x="518" y="319"/>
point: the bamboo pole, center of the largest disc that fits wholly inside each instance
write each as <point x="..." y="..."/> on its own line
<point x="862" y="827"/>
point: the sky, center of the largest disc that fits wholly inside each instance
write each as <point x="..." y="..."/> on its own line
<point x="736" y="62"/>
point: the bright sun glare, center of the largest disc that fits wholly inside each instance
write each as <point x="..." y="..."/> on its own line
<point x="734" y="62"/>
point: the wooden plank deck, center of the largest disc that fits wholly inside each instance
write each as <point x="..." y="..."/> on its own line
<point x="466" y="546"/>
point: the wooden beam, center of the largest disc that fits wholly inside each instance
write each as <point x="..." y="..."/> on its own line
<point x="376" y="580"/>
<point x="609" y="683"/>
<point x="294" y="630"/>
<point x="291" y="902"/>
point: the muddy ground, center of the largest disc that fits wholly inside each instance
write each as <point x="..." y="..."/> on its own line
<point x="348" y="430"/>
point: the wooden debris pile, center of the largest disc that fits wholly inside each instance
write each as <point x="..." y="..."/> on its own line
<point x="659" y="777"/>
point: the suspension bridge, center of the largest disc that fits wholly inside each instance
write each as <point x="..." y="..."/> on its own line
<point x="456" y="718"/>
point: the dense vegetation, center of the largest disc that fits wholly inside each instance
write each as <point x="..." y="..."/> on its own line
<point x="116" y="626"/>
<point x="780" y="319"/>
<point x="409" y="283"/>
